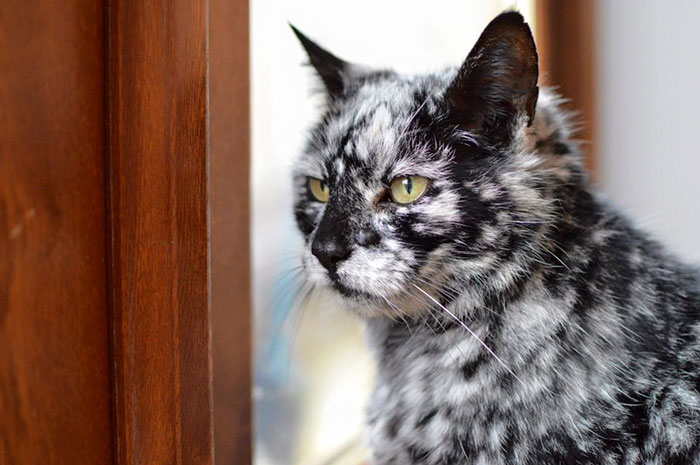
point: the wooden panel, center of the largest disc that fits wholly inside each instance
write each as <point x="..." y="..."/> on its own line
<point x="231" y="313"/>
<point x="157" y="68"/>
<point x="566" y="42"/>
<point x="54" y="370"/>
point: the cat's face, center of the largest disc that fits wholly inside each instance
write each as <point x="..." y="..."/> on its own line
<point x="408" y="179"/>
<point x="365" y="241"/>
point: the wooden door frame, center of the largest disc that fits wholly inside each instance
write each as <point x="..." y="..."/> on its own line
<point x="125" y="318"/>
<point x="158" y="231"/>
<point x="54" y="350"/>
<point x="178" y="123"/>
<point x="229" y="137"/>
<point x="566" y="41"/>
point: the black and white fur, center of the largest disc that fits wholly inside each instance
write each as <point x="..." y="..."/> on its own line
<point x="515" y="316"/>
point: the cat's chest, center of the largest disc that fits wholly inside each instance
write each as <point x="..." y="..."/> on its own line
<point x="438" y="399"/>
<point x="443" y="398"/>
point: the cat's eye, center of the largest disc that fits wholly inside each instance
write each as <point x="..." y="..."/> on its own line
<point x="319" y="189"/>
<point x="407" y="189"/>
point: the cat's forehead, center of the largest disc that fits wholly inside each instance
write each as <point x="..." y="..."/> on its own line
<point x="390" y="100"/>
<point x="375" y="128"/>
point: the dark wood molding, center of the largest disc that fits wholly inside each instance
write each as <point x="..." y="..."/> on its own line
<point x="125" y="336"/>
<point x="566" y="33"/>
<point x="159" y="250"/>
<point x="54" y="350"/>
<point x="231" y="303"/>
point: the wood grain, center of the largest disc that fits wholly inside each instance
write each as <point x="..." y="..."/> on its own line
<point x="231" y="312"/>
<point x="566" y="33"/>
<point x="54" y="368"/>
<point x="159" y="251"/>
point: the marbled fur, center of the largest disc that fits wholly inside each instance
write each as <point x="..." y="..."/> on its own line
<point x="596" y="325"/>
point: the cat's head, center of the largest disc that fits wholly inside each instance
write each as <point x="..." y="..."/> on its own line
<point x="412" y="183"/>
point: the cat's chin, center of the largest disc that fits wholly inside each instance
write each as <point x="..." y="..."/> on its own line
<point x="369" y="306"/>
<point x="357" y="302"/>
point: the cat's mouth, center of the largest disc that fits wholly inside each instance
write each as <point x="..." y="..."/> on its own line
<point x="368" y="282"/>
<point x="349" y="292"/>
<point x="406" y="303"/>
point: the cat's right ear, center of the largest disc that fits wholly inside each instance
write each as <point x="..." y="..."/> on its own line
<point x="333" y="71"/>
<point x="497" y="84"/>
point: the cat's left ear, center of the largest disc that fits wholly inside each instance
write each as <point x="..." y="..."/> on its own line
<point x="497" y="84"/>
<point x="335" y="73"/>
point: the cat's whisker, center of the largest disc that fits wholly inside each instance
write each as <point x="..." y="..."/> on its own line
<point x="287" y="280"/>
<point x="455" y="290"/>
<point x="400" y="314"/>
<point x="461" y="323"/>
<point x="558" y="259"/>
<point x="281" y="305"/>
<point x="412" y="117"/>
<point x="436" y="318"/>
<point x="271" y="269"/>
<point x="429" y="316"/>
<point x="301" y="307"/>
<point x="428" y="309"/>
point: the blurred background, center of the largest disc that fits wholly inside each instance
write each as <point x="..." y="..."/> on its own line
<point x="648" y="68"/>
<point x="630" y="67"/>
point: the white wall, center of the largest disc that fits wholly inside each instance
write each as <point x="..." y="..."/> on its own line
<point x="649" y="124"/>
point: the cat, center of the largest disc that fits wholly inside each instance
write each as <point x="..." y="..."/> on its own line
<point x="516" y="317"/>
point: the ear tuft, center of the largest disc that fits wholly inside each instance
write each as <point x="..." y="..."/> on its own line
<point x="497" y="83"/>
<point x="333" y="71"/>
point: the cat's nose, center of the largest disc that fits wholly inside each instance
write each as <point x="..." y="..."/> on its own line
<point x="330" y="252"/>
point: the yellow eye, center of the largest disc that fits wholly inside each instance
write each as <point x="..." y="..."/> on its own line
<point x="407" y="189"/>
<point x="319" y="189"/>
